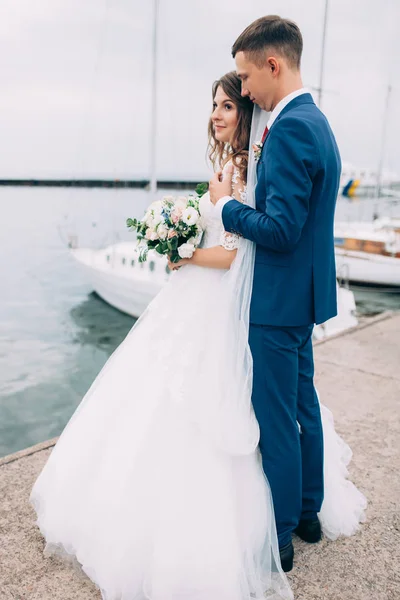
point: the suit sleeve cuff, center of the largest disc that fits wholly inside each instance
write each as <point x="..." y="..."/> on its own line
<point x="220" y="205"/>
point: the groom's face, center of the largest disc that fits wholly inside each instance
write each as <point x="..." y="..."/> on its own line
<point x="258" y="84"/>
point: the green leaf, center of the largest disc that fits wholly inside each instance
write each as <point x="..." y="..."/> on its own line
<point x="174" y="242"/>
<point x="143" y="254"/>
<point x="201" y="189"/>
<point x="174" y="258"/>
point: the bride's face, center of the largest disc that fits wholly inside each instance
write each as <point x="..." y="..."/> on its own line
<point x="224" y="117"/>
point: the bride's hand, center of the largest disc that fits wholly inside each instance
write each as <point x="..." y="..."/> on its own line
<point x="221" y="184"/>
<point x="175" y="266"/>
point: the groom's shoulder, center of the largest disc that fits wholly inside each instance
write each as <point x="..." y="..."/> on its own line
<point x="304" y="115"/>
<point x="296" y="129"/>
<point x="297" y="123"/>
<point x="309" y="114"/>
<point x="302" y="122"/>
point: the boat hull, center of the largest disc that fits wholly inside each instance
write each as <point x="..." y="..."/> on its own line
<point x="366" y="268"/>
<point x="110" y="274"/>
<point x="129" y="290"/>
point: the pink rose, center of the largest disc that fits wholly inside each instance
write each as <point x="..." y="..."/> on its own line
<point x="176" y="214"/>
<point x="172" y="234"/>
<point x="151" y="235"/>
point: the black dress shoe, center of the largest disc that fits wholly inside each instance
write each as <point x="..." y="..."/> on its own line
<point x="309" y="530"/>
<point x="286" y="554"/>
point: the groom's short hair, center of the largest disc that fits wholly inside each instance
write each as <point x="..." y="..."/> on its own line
<point x="270" y="33"/>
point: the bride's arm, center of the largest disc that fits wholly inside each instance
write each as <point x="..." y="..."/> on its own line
<point x="223" y="255"/>
<point x="216" y="257"/>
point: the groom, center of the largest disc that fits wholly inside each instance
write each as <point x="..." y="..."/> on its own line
<point x="294" y="275"/>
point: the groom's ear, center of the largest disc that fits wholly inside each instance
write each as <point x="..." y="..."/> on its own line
<point x="273" y="65"/>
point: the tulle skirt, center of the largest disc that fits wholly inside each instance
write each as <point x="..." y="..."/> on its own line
<point x="343" y="508"/>
<point x="155" y="488"/>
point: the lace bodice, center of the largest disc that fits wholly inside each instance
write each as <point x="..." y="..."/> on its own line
<point x="214" y="232"/>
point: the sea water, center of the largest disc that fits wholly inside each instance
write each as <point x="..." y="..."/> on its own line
<point x="55" y="335"/>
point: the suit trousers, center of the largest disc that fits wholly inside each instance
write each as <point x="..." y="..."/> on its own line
<point x="287" y="409"/>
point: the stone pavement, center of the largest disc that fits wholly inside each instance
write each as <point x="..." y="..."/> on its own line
<point x="358" y="378"/>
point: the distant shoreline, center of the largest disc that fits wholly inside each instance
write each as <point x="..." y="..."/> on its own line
<point x="144" y="184"/>
<point x="99" y="183"/>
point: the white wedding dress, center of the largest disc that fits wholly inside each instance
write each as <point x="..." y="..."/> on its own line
<point x="155" y="488"/>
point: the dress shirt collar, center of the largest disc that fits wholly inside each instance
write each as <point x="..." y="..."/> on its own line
<point x="281" y="105"/>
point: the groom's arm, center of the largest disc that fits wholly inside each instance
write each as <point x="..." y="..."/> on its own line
<point x="291" y="164"/>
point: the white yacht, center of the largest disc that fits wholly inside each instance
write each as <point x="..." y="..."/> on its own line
<point x="116" y="275"/>
<point x="369" y="252"/>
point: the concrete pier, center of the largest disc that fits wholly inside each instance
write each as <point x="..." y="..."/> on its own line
<point x="358" y="378"/>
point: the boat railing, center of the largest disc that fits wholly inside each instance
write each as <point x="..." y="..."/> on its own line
<point x="392" y="245"/>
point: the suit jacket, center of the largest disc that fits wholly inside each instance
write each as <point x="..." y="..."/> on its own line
<point x="298" y="180"/>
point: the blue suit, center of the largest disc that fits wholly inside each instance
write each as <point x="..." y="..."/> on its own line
<point x="294" y="287"/>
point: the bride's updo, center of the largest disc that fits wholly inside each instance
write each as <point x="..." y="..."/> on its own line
<point x="220" y="152"/>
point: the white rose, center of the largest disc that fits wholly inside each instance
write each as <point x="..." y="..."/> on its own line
<point x="157" y="207"/>
<point x="186" y="250"/>
<point x="162" y="231"/>
<point x="190" y="216"/>
<point x="149" y="222"/>
<point x="157" y="219"/>
<point x="180" y="204"/>
<point x="195" y="240"/>
<point x="147" y="218"/>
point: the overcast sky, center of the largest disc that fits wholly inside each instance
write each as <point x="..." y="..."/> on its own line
<point x="75" y="80"/>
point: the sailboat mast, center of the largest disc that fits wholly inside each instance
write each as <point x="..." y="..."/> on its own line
<point x="153" y="137"/>
<point x="322" y="65"/>
<point x="383" y="143"/>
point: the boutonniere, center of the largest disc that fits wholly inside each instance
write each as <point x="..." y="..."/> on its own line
<point x="258" y="146"/>
<point x="257" y="149"/>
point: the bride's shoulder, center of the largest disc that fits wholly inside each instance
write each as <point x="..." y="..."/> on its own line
<point x="236" y="171"/>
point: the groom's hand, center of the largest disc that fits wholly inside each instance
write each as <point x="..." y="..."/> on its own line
<point x="221" y="184"/>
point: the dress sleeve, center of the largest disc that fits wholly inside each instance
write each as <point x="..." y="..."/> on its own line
<point x="231" y="241"/>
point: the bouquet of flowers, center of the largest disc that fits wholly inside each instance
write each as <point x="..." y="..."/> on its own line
<point x="170" y="226"/>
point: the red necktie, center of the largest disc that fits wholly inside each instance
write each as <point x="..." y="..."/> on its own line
<point x="266" y="130"/>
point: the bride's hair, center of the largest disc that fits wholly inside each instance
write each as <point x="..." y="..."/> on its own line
<point x="220" y="152"/>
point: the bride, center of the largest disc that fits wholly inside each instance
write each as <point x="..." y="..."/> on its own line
<point x="155" y="488"/>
